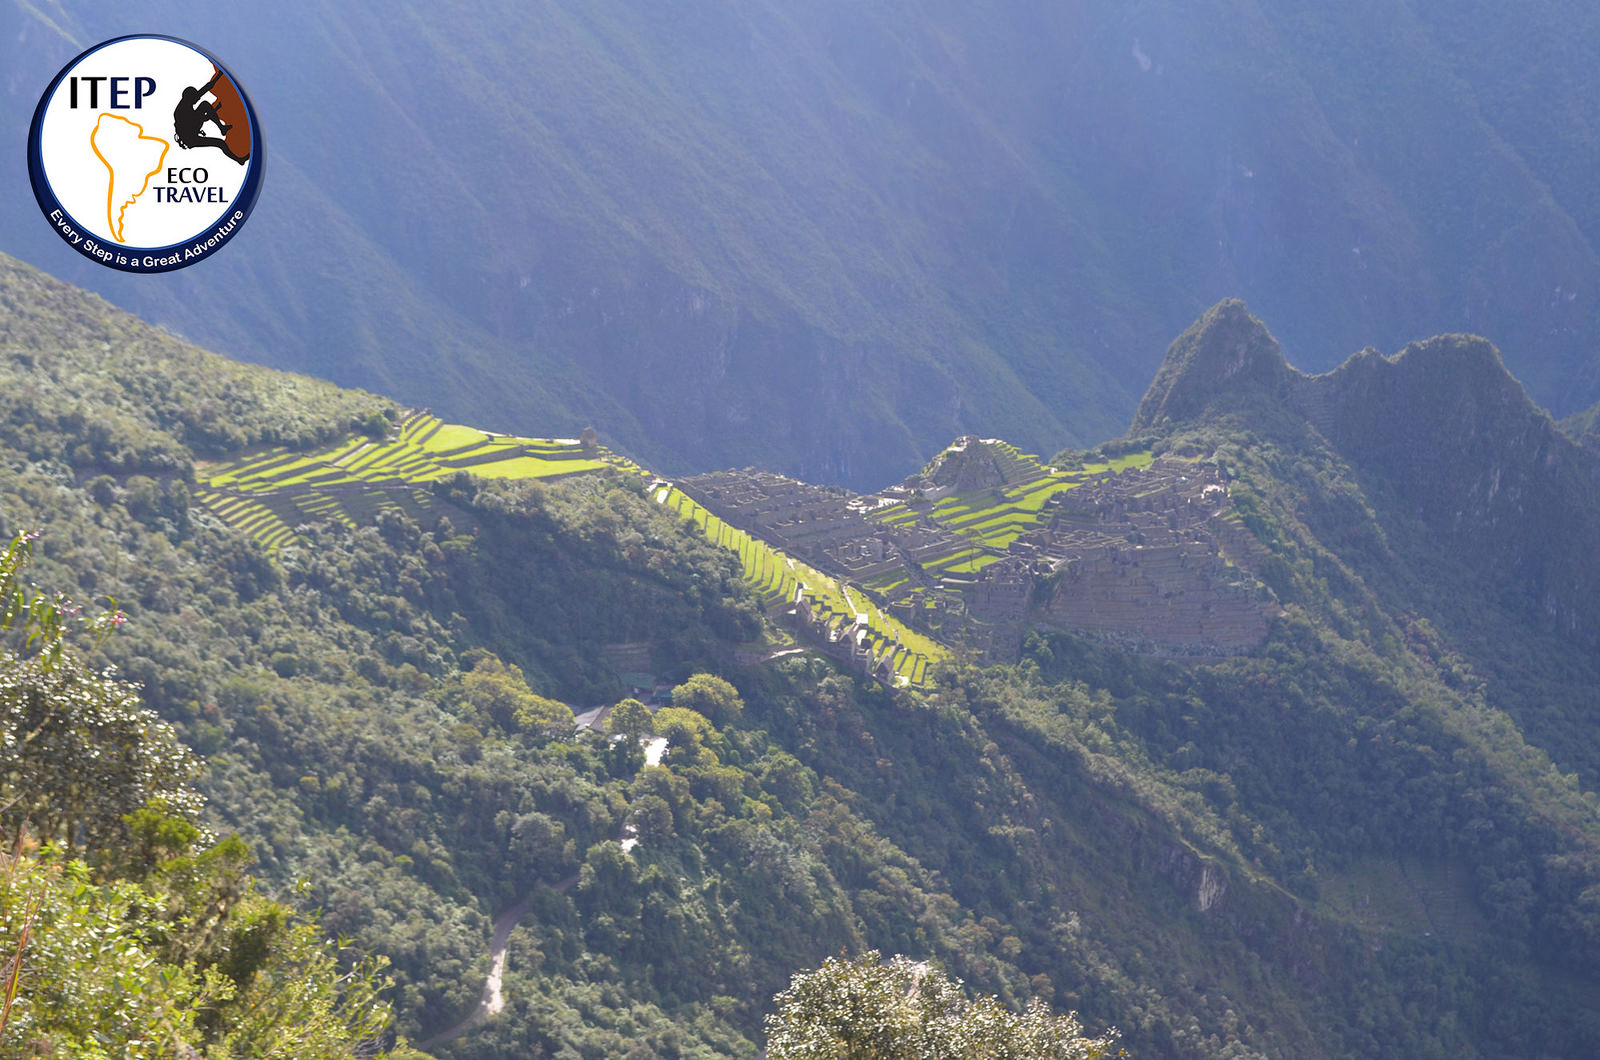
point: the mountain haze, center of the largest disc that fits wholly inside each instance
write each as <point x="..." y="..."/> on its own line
<point x="1267" y="728"/>
<point x="829" y="243"/>
<point x="1584" y="427"/>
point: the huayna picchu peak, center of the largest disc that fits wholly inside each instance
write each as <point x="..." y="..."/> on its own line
<point x="1440" y="434"/>
<point x="1224" y="356"/>
<point x="930" y="530"/>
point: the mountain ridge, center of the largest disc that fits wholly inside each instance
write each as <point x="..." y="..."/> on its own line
<point x="1372" y="832"/>
<point x="1441" y="427"/>
<point x="1584" y="427"/>
<point x="831" y="245"/>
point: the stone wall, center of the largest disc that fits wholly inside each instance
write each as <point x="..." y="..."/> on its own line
<point x="1140" y="558"/>
<point x="1147" y="557"/>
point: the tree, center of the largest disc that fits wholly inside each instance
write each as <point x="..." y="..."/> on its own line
<point x="494" y="691"/>
<point x="710" y="695"/>
<point x="79" y="753"/>
<point x="190" y="961"/>
<point x="651" y="818"/>
<point x="869" y="1009"/>
<point x="686" y="732"/>
<point x="162" y="949"/>
<point x="630" y="718"/>
<point x="499" y="694"/>
<point x="544" y="718"/>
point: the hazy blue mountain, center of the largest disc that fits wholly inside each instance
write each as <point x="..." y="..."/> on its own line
<point x="1584" y="427"/>
<point x="829" y="241"/>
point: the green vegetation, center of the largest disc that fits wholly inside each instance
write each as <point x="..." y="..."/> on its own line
<point x="89" y="389"/>
<point x="269" y="493"/>
<point x="1373" y="836"/>
<point x="903" y="1010"/>
<point x="777" y="578"/>
<point x="126" y="935"/>
<point x="1584" y="427"/>
<point x="771" y="574"/>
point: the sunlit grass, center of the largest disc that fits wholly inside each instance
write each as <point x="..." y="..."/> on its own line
<point x="346" y="481"/>
<point x="776" y="576"/>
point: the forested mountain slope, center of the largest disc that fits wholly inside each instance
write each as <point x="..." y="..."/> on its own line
<point x="828" y="243"/>
<point x="1351" y="840"/>
<point x="1584" y="427"/>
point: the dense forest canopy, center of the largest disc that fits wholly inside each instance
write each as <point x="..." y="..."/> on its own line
<point x="1374" y="833"/>
<point x="128" y="931"/>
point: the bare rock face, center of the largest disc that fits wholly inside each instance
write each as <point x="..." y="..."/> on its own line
<point x="1226" y="353"/>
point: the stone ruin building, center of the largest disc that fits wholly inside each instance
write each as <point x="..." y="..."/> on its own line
<point x="1155" y="560"/>
<point x="1151" y="559"/>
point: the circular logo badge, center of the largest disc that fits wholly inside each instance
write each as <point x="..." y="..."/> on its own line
<point x="145" y="154"/>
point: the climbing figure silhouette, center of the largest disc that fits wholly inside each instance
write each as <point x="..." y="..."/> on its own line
<point x="191" y="115"/>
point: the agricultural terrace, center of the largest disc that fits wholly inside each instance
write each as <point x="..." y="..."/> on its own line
<point x="992" y="519"/>
<point x="777" y="577"/>
<point x="269" y="493"/>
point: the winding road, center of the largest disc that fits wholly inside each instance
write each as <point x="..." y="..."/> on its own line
<point x="493" y="1000"/>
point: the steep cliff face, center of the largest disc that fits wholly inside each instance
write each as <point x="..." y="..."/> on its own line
<point x="1451" y="440"/>
<point x="1584" y="428"/>
<point x="1451" y="431"/>
<point x="1439" y="436"/>
<point x="1224" y="357"/>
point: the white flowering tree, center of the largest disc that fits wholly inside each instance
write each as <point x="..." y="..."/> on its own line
<point x="872" y="1009"/>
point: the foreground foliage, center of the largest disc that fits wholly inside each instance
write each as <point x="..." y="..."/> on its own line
<point x="1373" y="836"/>
<point x="190" y="957"/>
<point x="869" y="1009"/>
<point x="127" y="934"/>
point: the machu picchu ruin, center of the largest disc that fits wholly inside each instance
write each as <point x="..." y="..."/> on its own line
<point x="967" y="555"/>
<point x="987" y="542"/>
<point x="269" y="493"/>
<point x="1152" y="558"/>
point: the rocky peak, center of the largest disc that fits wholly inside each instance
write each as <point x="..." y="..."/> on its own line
<point x="968" y="464"/>
<point x="1227" y="352"/>
<point x="1447" y="404"/>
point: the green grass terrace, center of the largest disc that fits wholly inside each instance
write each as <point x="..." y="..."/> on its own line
<point x="268" y="493"/>
<point x="992" y="519"/>
<point x="777" y="578"/>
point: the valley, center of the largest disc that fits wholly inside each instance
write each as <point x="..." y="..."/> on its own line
<point x="823" y="508"/>
<point x="1215" y="733"/>
<point x="830" y="245"/>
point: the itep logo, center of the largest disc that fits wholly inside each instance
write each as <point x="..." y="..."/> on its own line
<point x="145" y="154"/>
